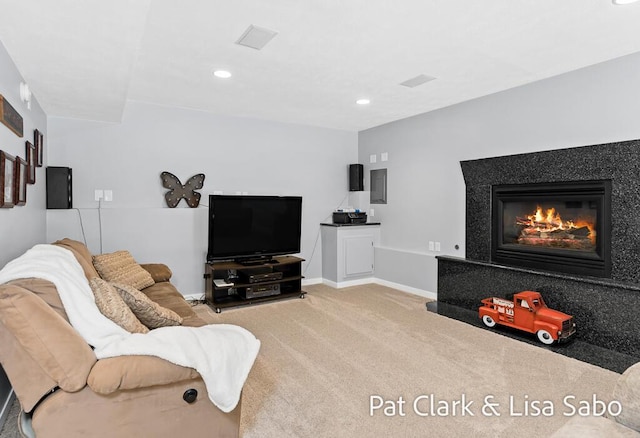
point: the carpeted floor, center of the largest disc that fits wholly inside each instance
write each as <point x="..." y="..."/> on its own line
<point x="10" y="427"/>
<point x="324" y="357"/>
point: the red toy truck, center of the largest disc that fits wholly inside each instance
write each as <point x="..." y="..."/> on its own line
<point x="529" y="313"/>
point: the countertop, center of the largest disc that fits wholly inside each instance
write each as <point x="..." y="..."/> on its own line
<point x="349" y="225"/>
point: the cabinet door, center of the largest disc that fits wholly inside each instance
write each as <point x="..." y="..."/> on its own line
<point x="358" y="255"/>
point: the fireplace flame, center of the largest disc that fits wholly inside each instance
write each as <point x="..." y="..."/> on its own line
<point x="551" y="219"/>
<point x="547" y="224"/>
<point x="548" y="221"/>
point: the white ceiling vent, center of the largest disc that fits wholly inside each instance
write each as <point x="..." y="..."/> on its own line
<point x="418" y="80"/>
<point x="256" y="37"/>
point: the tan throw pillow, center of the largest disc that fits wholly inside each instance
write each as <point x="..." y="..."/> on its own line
<point x="150" y="313"/>
<point x="120" y="267"/>
<point x="113" y="306"/>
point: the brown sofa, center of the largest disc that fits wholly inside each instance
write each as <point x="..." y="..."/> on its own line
<point x="66" y="392"/>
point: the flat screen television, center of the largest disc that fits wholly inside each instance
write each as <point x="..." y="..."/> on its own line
<point x="245" y="228"/>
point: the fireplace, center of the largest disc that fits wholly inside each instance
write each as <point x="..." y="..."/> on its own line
<point x="505" y="252"/>
<point x="562" y="226"/>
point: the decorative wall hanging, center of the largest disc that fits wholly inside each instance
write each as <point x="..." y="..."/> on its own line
<point x="20" y="189"/>
<point x="7" y="179"/>
<point x="38" y="141"/>
<point x="10" y="117"/>
<point x="179" y="191"/>
<point x="30" y="154"/>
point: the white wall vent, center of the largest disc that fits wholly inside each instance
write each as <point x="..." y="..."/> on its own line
<point x="418" y="80"/>
<point x="256" y="37"/>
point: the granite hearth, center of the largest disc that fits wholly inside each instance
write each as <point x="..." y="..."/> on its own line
<point x="606" y="310"/>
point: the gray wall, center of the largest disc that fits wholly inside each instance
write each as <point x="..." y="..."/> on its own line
<point x="426" y="192"/>
<point x="235" y="154"/>
<point x="20" y="227"/>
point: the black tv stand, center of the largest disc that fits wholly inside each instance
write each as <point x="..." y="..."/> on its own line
<point x="257" y="262"/>
<point x="229" y="285"/>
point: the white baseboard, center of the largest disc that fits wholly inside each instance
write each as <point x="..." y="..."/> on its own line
<point x="330" y="283"/>
<point x="349" y="283"/>
<point x="408" y="289"/>
<point x="194" y="297"/>
<point x="310" y="281"/>
<point x="398" y="286"/>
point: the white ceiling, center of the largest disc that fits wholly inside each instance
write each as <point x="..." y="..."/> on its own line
<point x="86" y="58"/>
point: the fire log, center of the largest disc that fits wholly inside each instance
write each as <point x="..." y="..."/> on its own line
<point x="580" y="232"/>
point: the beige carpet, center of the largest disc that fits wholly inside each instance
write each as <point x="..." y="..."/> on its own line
<point x="324" y="356"/>
<point x="10" y="427"/>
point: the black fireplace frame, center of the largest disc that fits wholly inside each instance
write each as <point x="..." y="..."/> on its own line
<point x="596" y="264"/>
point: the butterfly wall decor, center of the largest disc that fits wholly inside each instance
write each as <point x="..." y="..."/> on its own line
<point x="178" y="190"/>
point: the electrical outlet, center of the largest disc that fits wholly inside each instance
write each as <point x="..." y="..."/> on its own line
<point x="431" y="246"/>
<point x="384" y="156"/>
<point x="372" y="212"/>
<point x="98" y="194"/>
<point x="373" y="158"/>
<point x="437" y="246"/>
<point x="108" y="195"/>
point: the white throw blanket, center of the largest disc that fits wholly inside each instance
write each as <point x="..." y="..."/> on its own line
<point x="223" y="354"/>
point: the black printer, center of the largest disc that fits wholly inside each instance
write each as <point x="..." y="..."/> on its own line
<point x="344" y="217"/>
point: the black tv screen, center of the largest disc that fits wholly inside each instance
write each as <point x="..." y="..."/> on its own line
<point x="244" y="227"/>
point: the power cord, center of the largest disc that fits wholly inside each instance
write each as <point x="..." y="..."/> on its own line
<point x="195" y="301"/>
<point x="84" y="237"/>
<point x="100" y="222"/>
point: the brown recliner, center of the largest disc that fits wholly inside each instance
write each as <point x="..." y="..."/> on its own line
<point x="67" y="392"/>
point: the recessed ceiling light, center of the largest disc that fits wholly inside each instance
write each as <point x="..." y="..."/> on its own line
<point x="222" y="74"/>
<point x="623" y="2"/>
<point x="363" y="101"/>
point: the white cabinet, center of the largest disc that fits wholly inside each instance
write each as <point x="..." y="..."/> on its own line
<point x="358" y="254"/>
<point x="348" y="253"/>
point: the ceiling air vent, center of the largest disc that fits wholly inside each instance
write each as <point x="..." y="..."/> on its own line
<point x="256" y="37"/>
<point x="418" y="80"/>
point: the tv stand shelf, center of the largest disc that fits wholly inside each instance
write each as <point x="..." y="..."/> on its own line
<point x="275" y="279"/>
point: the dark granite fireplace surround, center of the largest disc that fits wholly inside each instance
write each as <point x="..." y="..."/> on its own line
<point x="606" y="310"/>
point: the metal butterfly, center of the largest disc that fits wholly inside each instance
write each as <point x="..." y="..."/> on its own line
<point x="179" y="191"/>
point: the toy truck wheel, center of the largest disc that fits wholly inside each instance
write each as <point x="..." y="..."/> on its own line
<point x="545" y="337"/>
<point x="488" y="321"/>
